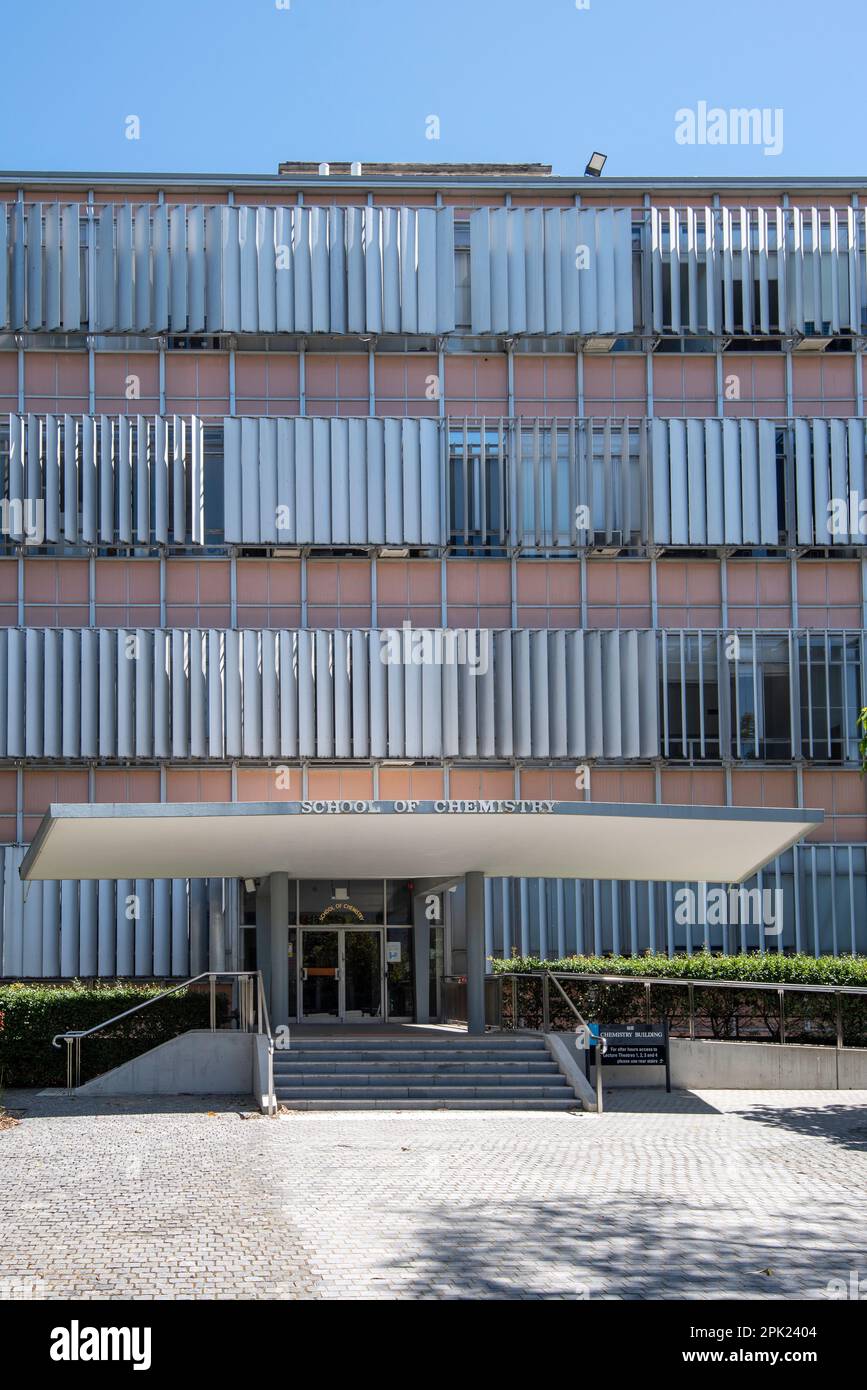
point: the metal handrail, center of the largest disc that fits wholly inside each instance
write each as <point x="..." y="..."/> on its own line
<point x="678" y="980"/>
<point x="780" y="988"/>
<point x="73" y="1037"/>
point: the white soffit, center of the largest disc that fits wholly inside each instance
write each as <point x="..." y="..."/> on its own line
<point x="387" y="839"/>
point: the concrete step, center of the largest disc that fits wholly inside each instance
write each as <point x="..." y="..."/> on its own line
<point x="288" y="1065"/>
<point x="288" y="1094"/>
<point x="496" y="1072"/>
<point x="386" y="1054"/>
<point x="439" y="1103"/>
<point x="499" y="1041"/>
<point x="288" y="1081"/>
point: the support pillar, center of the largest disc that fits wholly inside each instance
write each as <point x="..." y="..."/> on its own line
<point x="421" y="958"/>
<point x="474" y="901"/>
<point x="263" y="936"/>
<point x="279" y="946"/>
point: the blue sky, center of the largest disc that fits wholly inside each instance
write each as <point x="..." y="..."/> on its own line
<point x="231" y="86"/>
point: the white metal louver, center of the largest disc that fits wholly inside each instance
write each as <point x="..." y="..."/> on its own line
<point x="106" y="480"/>
<point x="332" y="482"/>
<point x="714" y="482"/>
<point x="275" y="269"/>
<point x="155" y="694"/>
<point x="830" y="482"/>
<point x="551" y="270"/>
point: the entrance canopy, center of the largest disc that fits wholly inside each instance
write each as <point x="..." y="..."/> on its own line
<point x="411" y="839"/>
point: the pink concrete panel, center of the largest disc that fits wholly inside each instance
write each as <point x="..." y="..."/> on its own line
<point x="684" y="385"/>
<point x="330" y="783"/>
<point x="425" y="580"/>
<point x="630" y="384"/>
<point x="269" y="581"/>
<point x="693" y="787"/>
<point x="474" y="782"/>
<point x="261" y="783"/>
<point x="283" y="382"/>
<point x="251" y="380"/>
<point x="532" y="581"/>
<point x="754" y="384"/>
<point x="461" y="581"/>
<point x="8" y="792"/>
<point x="564" y="581"/>
<point x="353" y="384"/>
<point x="829" y="593"/>
<point x="198" y="784"/>
<point x="56" y="382"/>
<point x="322" y="581"/>
<point x="843" y="797"/>
<point x="126" y="383"/>
<point x="353" y="578"/>
<point x="688" y="593"/>
<point x="823" y="385"/>
<point x="621" y="785"/>
<point x="494" y="581"/>
<point x="321" y="383"/>
<point x="197" y="384"/>
<point x="546" y="386"/>
<point x="8" y="593"/>
<point x="549" y="784"/>
<point x="766" y="787"/>
<point x="42" y="787"/>
<point x="56" y="592"/>
<point x="600" y="385"/>
<point x="403" y="383"/>
<point x="125" y="784"/>
<point x="844" y="581"/>
<point x="9" y="381"/>
<point x="476" y="385"/>
<point x="420" y="783"/>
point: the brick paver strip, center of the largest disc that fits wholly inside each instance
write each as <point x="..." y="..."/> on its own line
<point x="688" y="1196"/>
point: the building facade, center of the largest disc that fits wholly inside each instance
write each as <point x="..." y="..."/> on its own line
<point x="457" y="483"/>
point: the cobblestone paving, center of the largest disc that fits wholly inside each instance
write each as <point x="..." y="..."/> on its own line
<point x="702" y="1195"/>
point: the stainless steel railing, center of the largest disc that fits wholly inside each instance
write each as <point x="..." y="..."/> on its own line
<point x="252" y="1018"/>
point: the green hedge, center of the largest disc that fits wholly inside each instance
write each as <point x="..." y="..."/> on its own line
<point x="703" y="965"/>
<point x="31" y="1015"/>
<point x="719" y="1013"/>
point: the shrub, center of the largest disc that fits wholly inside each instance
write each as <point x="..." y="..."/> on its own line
<point x="32" y="1014"/>
<point x="719" y="1013"/>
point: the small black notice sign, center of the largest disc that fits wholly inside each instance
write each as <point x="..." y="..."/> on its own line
<point x="636" y="1045"/>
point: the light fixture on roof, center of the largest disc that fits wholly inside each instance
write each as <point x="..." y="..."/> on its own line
<point x="595" y="165"/>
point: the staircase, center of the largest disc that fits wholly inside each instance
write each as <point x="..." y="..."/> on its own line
<point x="496" y="1072"/>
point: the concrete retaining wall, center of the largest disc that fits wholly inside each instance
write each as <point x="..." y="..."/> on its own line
<point x="195" y="1064"/>
<point x="704" y="1065"/>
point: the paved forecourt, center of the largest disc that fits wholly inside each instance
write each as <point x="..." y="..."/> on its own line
<point x="693" y="1195"/>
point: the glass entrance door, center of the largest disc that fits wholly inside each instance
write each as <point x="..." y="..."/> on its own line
<point x="342" y="972"/>
<point x="320" y="975"/>
<point x="362" y="976"/>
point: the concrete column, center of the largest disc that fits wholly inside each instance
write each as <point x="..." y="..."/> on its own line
<point x="263" y="937"/>
<point x="279" y="945"/>
<point x="474" y="892"/>
<point x="421" y="958"/>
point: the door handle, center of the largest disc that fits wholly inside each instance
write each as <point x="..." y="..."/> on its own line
<point x="304" y="972"/>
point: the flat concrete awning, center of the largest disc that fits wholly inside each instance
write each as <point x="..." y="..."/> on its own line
<point x="416" y="839"/>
